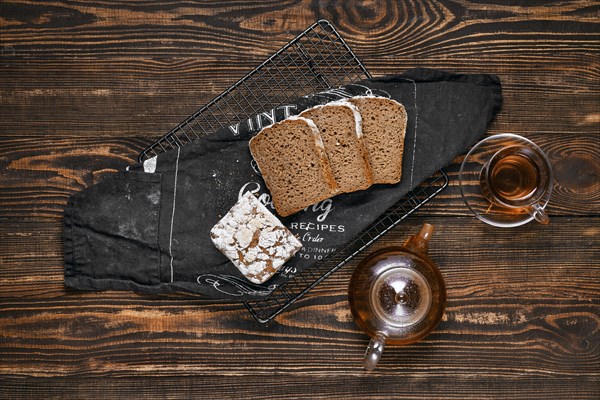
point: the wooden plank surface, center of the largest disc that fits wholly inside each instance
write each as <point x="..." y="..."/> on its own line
<point x="85" y="86"/>
<point x="509" y="316"/>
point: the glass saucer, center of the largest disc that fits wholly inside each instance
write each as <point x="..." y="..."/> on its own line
<point x="469" y="179"/>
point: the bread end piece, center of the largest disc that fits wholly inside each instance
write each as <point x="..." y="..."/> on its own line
<point x="254" y="240"/>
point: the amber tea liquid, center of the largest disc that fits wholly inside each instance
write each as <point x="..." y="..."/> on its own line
<point x="513" y="177"/>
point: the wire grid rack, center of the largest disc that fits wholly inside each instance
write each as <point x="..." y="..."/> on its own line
<point x="316" y="60"/>
<point x="285" y="295"/>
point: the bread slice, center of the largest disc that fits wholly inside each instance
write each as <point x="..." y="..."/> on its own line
<point x="339" y="124"/>
<point x="291" y="157"/>
<point x="384" y="128"/>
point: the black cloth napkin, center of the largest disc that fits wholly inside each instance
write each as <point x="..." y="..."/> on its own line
<point x="147" y="229"/>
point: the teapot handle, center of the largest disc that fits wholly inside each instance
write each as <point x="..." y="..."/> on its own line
<point x="374" y="350"/>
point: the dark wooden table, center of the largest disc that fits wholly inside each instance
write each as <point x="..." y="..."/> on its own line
<point x="85" y="86"/>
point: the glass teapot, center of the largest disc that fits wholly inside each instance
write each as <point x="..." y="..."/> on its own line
<point x="397" y="295"/>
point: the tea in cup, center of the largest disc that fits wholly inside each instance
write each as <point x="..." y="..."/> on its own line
<point x="506" y="180"/>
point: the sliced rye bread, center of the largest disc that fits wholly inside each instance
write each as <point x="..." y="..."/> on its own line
<point x="291" y="157"/>
<point x="339" y="124"/>
<point x="384" y="128"/>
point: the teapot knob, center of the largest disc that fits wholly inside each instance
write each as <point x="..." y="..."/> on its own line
<point x="419" y="243"/>
<point x="374" y="350"/>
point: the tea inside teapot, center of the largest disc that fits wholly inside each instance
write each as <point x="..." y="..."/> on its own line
<point x="397" y="295"/>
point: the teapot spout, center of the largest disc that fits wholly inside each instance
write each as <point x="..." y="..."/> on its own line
<point x="419" y="243"/>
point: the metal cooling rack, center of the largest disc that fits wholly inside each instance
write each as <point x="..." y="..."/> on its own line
<point x="286" y="294"/>
<point x="316" y="60"/>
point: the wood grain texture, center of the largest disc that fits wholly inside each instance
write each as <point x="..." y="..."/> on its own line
<point x="152" y="59"/>
<point x="86" y="85"/>
<point x="511" y="321"/>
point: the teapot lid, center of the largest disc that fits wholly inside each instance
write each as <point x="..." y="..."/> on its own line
<point x="401" y="297"/>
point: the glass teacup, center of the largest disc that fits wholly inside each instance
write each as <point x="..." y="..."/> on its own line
<point x="506" y="180"/>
